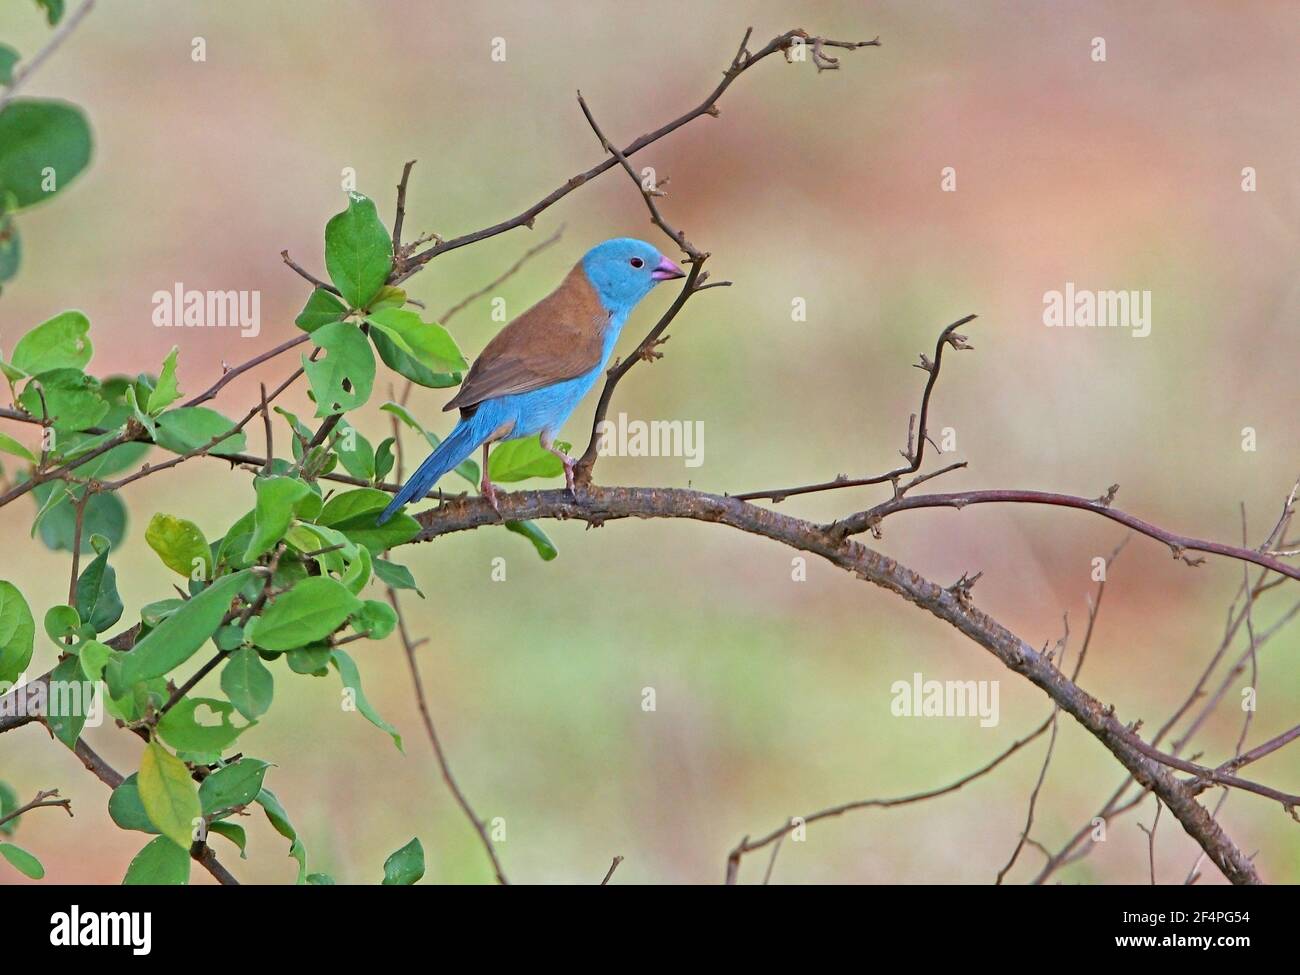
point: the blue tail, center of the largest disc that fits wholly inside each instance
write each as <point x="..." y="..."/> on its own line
<point x="460" y="443"/>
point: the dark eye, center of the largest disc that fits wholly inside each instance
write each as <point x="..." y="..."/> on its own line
<point x="637" y="262"/>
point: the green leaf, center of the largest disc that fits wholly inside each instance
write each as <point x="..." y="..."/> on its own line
<point x="383" y="462"/>
<point x="166" y="392"/>
<point x="181" y="546"/>
<point x="105" y="515"/>
<point x="354" y="452"/>
<point x="160" y="863"/>
<point x="97" y="600"/>
<point x="540" y="540"/>
<point x="188" y="428"/>
<point x="320" y="880"/>
<point x="348" y="359"/>
<point x="70" y="701"/>
<point x="376" y="619"/>
<point x="93" y="657"/>
<point x="126" y="809"/>
<point x="67" y="396"/>
<point x="17" y="633"/>
<point x="233" y="832"/>
<point x="406" y="866"/>
<point x="235" y="785"/>
<point x="168" y="794"/>
<point x="312" y="661"/>
<point x="351" y="677"/>
<point x="181" y="728"/>
<point x="466" y="469"/>
<point x="8" y="58"/>
<point x="62" y="342"/>
<point x="278" y="499"/>
<point x="8" y="803"/>
<point x="358" y="251"/>
<point x="11" y="446"/>
<point x="22" y="861"/>
<point x="44" y="145"/>
<point x="389" y="296"/>
<point x="354" y="513"/>
<point x="358" y="573"/>
<point x="429" y="344"/>
<point x="322" y="308"/>
<point x="395" y="576"/>
<point x="176" y="638"/>
<point x="53" y="10"/>
<point x="280" y="820"/>
<point x="11" y="254"/>
<point x="518" y="460"/>
<point x="310" y="611"/>
<point x="407" y="366"/>
<point x="248" y="684"/>
<point x="61" y="622"/>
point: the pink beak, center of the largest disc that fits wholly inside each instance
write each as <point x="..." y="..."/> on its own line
<point x="666" y="270"/>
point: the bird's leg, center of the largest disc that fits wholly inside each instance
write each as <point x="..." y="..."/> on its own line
<point x="486" y="487"/>
<point x="566" y="460"/>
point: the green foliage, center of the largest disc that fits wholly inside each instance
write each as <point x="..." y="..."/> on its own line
<point x="62" y="342"/>
<point x="358" y="251"/>
<point x="169" y="796"/>
<point x="351" y="677"/>
<point x="235" y="785"/>
<point x="406" y="865"/>
<point x="67" y="398"/>
<point x="174" y="640"/>
<point x="97" y="601"/>
<point x="322" y="308"/>
<point x="44" y="146"/>
<point x="192" y="734"/>
<point x="181" y="546"/>
<point x="8" y="58"/>
<point x="126" y="809"/>
<point x="190" y="428"/>
<point x="518" y="460"/>
<point x="282" y="588"/>
<point x="395" y="576"/>
<point x="428" y="344"/>
<point x="53" y="10"/>
<point x="17" y="633"/>
<point x="160" y="863"/>
<point x="343" y="379"/>
<point x="248" y="684"/>
<point x="56" y="520"/>
<point x="22" y="861"/>
<point x="310" y="611"/>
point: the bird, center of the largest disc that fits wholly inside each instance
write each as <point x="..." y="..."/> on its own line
<point x="533" y="374"/>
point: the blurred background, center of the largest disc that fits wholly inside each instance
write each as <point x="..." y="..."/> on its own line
<point x="773" y="695"/>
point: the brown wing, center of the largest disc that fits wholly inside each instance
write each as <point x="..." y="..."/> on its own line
<point x="560" y="337"/>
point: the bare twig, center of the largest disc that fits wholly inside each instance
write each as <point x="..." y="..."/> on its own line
<point x="45" y="797"/>
<point x="915" y="452"/>
<point x="27" y="68"/>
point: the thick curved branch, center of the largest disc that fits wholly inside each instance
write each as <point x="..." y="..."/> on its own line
<point x="600" y="505"/>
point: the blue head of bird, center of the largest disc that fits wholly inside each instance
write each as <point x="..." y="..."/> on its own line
<point x="624" y="270"/>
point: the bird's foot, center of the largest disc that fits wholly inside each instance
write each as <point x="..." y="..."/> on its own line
<point x="570" y="485"/>
<point x="490" y="493"/>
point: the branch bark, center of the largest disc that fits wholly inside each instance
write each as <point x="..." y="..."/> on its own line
<point x="602" y="505"/>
